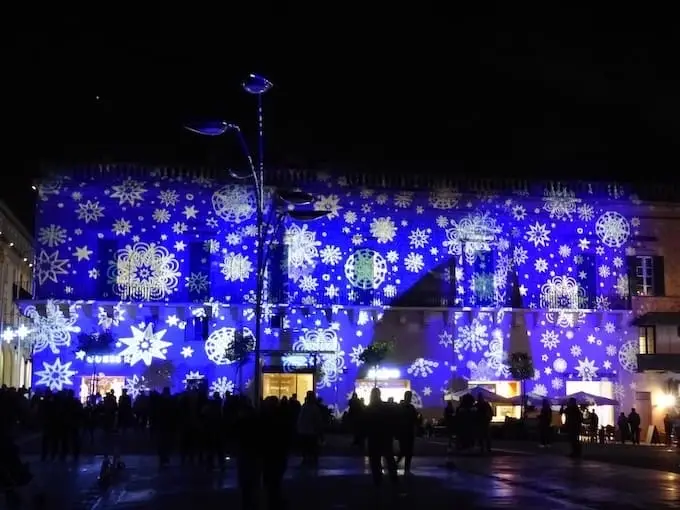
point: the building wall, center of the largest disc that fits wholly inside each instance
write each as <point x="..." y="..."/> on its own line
<point x="657" y="236"/>
<point x="16" y="282"/>
<point x="454" y="280"/>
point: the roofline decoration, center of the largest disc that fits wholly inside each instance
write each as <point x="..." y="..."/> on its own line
<point x="647" y="191"/>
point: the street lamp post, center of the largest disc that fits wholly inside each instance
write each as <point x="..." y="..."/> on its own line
<point x="257" y="85"/>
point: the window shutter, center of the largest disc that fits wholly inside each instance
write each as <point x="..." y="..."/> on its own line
<point x="631" y="263"/>
<point x="659" y="283"/>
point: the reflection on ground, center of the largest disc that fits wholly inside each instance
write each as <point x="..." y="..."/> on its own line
<point x="343" y="482"/>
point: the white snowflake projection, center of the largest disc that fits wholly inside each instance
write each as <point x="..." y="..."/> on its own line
<point x="49" y="267"/>
<point x="612" y="229"/>
<point x="565" y="318"/>
<point x="619" y="391"/>
<point x="236" y="267"/>
<point x="52" y="329"/>
<point x="108" y="317"/>
<point x="49" y="188"/>
<point x="145" y="271"/>
<point x="129" y="192"/>
<point x="383" y="229"/>
<point x="628" y="356"/>
<point x="90" y="211"/>
<point x="445" y="198"/>
<point x="560" y="202"/>
<point x="197" y="282"/>
<point x="560" y="365"/>
<point x="365" y="269"/>
<point x="220" y="342"/>
<point x="303" y="249"/>
<point x="445" y="339"/>
<point x="330" y="203"/>
<point x="331" y="356"/>
<point x="136" y="386"/>
<point x="52" y="235"/>
<point x="473" y="235"/>
<point x="234" y="203"/>
<point x="562" y="292"/>
<point x="538" y="235"/>
<point x="144" y="345"/>
<point x="495" y="356"/>
<point x="481" y="371"/>
<point x="550" y="340"/>
<point x="355" y="355"/>
<point x="586" y="369"/>
<point x="55" y="375"/>
<point x="222" y="386"/>
<point x="473" y="337"/>
<point x="422" y="367"/>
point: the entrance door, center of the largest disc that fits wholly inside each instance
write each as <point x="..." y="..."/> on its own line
<point x="643" y="405"/>
<point x="286" y="384"/>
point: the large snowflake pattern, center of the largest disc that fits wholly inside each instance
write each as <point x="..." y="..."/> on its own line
<point x="552" y="251"/>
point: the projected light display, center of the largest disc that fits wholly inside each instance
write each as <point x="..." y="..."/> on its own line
<point x="164" y="243"/>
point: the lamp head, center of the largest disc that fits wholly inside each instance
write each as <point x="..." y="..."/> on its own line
<point x="305" y="216"/>
<point x="295" y="197"/>
<point x="256" y="84"/>
<point x="211" y="128"/>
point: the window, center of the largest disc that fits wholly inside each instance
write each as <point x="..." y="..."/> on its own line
<point x="646" y="275"/>
<point x="647" y="340"/>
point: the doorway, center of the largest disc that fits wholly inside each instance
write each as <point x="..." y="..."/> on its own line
<point x="279" y="385"/>
<point x="102" y="385"/>
<point x="643" y="406"/>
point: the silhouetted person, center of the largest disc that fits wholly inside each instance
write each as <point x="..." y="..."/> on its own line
<point x="668" y="428"/>
<point x="545" y="424"/>
<point x="248" y="450"/>
<point x="162" y="421"/>
<point x="275" y="448"/>
<point x="125" y="416"/>
<point x="73" y="414"/>
<point x="406" y="433"/>
<point x="47" y="412"/>
<point x="379" y="435"/>
<point x="309" y="427"/>
<point x="484" y="417"/>
<point x="593" y="426"/>
<point x="354" y="419"/>
<point x="572" y="425"/>
<point x="212" y="430"/>
<point x="624" y="430"/>
<point x="449" y="420"/>
<point x="634" y="424"/>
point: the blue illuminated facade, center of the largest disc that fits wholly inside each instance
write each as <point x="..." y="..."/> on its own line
<point x="456" y="279"/>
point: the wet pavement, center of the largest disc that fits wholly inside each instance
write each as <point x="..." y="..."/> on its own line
<point x="343" y="482"/>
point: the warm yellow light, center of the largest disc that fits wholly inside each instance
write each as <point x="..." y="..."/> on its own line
<point x="666" y="400"/>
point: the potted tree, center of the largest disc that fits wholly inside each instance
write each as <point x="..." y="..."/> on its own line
<point x="94" y="345"/>
<point x="522" y="370"/>
<point x="373" y="356"/>
<point x="238" y="353"/>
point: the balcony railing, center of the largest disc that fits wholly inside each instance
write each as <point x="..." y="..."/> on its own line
<point x="658" y="362"/>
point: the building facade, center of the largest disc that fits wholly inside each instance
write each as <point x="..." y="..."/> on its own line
<point x="454" y="278"/>
<point x="16" y="284"/>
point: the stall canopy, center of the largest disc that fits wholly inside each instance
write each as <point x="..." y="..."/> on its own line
<point x="489" y="396"/>
<point x="586" y="399"/>
<point x="531" y="399"/>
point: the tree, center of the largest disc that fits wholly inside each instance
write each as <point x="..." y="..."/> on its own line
<point x="159" y="374"/>
<point x="374" y="355"/>
<point x="95" y="344"/>
<point x="521" y="369"/>
<point x="239" y="352"/>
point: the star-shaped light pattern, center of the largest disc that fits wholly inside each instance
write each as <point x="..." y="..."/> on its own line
<point x="561" y="253"/>
<point x="55" y="375"/>
<point x="144" y="345"/>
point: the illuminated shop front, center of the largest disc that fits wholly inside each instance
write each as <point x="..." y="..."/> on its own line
<point x="166" y="264"/>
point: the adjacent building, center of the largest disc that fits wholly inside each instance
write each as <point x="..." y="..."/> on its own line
<point x="455" y="275"/>
<point x="16" y="284"/>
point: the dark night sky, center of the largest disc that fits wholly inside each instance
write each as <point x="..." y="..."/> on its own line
<point x="473" y="90"/>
